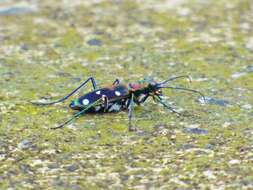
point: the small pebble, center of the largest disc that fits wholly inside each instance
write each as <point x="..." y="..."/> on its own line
<point x="232" y="162"/>
<point x="94" y="42"/>
<point x="195" y="131"/>
<point x="72" y="168"/>
<point x="237" y="75"/>
<point x="209" y="174"/>
<point x="247" y="106"/>
<point x="250" y="68"/>
<point x="25" y="168"/>
<point x="249" y="44"/>
<point x="24" y="144"/>
<point x="209" y="100"/>
<point x="52" y="166"/>
<point x="226" y="124"/>
<point x="187" y="146"/>
<point x="209" y="146"/>
<point x="8" y="11"/>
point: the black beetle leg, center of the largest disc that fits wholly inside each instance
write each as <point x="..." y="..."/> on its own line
<point x="78" y="114"/>
<point x="105" y="102"/>
<point x="116" y="82"/>
<point x="70" y="94"/>
<point x="144" y="99"/>
<point x="159" y="99"/>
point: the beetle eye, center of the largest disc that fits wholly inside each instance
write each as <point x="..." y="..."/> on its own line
<point x="152" y="85"/>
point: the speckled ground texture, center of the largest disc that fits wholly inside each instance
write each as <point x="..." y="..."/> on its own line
<point x="47" y="48"/>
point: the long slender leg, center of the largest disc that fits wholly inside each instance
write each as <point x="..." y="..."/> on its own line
<point x="116" y="82"/>
<point x="159" y="99"/>
<point x="70" y="94"/>
<point x="130" y="109"/>
<point x="142" y="100"/>
<point x="78" y="114"/>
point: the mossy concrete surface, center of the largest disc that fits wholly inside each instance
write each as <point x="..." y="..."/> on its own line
<point x="47" y="48"/>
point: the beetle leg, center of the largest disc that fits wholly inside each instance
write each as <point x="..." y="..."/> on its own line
<point x="78" y="114"/>
<point x="105" y="102"/>
<point x="144" y="99"/>
<point x="70" y="94"/>
<point x="159" y="99"/>
<point x="130" y="109"/>
<point x="116" y="82"/>
<point x="141" y="99"/>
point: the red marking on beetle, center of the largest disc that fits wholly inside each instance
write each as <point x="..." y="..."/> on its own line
<point x="134" y="86"/>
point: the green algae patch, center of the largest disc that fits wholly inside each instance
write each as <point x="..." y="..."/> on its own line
<point x="71" y="38"/>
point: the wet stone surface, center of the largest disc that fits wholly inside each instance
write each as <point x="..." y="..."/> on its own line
<point x="14" y="11"/>
<point x="250" y="68"/>
<point x="94" y="42"/>
<point x="25" y="144"/>
<point x="47" y="48"/>
<point x="72" y="168"/>
<point x="210" y="100"/>
<point x="195" y="131"/>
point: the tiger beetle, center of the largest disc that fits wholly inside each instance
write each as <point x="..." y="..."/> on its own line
<point x="118" y="97"/>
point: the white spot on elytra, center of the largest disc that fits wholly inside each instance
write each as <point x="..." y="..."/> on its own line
<point x="117" y="93"/>
<point x="98" y="92"/>
<point x="85" y="101"/>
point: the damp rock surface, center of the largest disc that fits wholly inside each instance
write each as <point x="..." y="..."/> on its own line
<point x="94" y="42"/>
<point x="48" y="48"/>
<point x="195" y="131"/>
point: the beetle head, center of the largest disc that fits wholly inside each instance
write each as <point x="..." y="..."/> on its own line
<point x="152" y="86"/>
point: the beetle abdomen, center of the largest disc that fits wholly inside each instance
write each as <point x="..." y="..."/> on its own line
<point x="116" y="99"/>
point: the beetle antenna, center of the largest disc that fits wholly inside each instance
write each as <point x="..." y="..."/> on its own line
<point x="185" y="89"/>
<point x="174" y="78"/>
